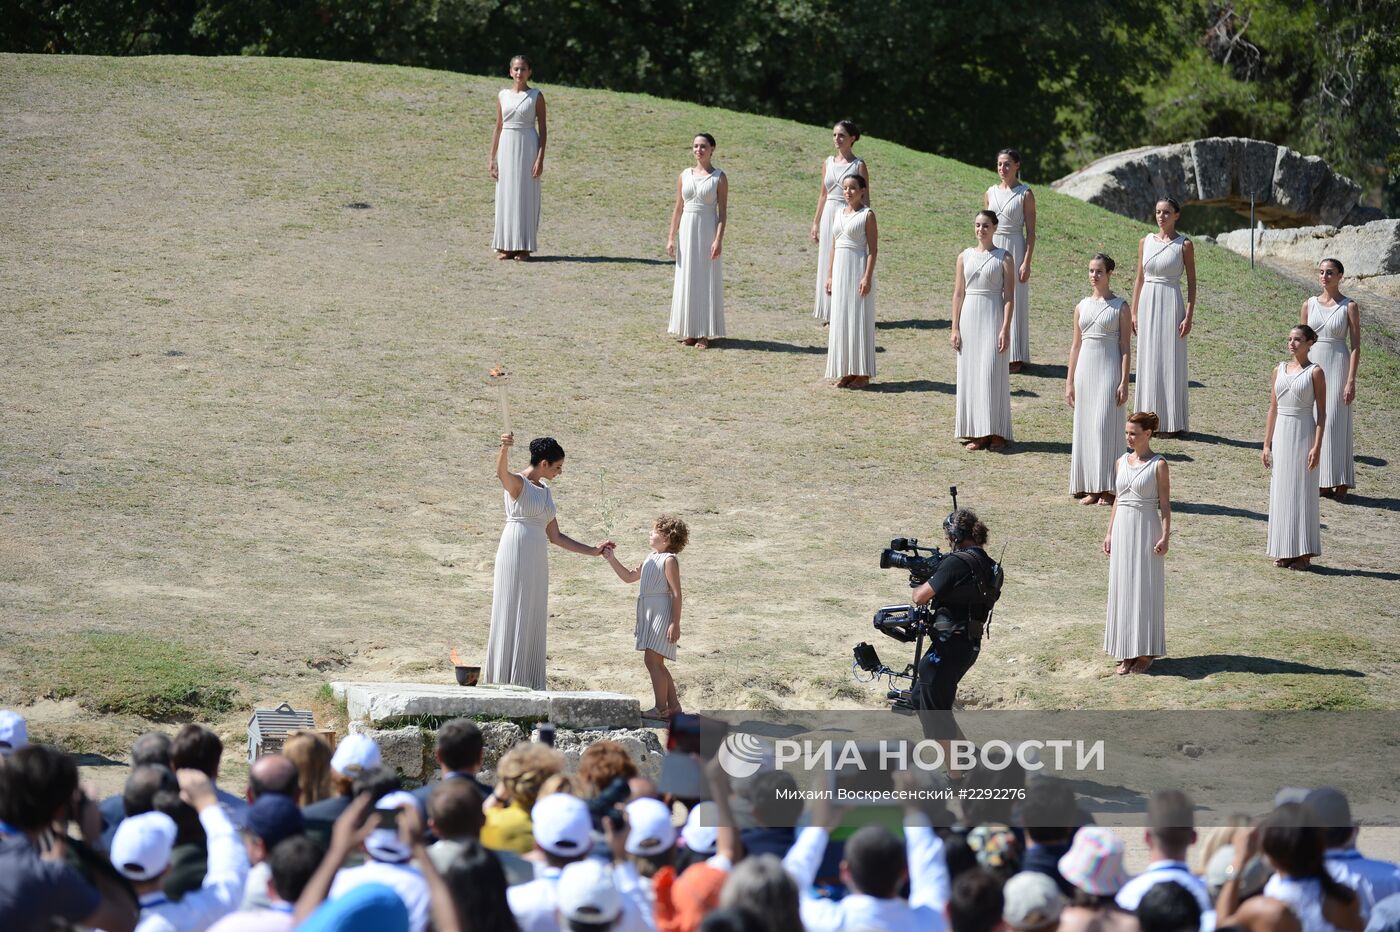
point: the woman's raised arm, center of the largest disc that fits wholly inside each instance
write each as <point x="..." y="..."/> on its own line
<point x="512" y="483"/>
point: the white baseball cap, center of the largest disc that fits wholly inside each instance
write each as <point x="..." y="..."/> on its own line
<point x="358" y="751"/>
<point x="650" y="829"/>
<point x="701" y="832"/>
<point x="561" y="825"/>
<point x="14" y="732"/>
<point x="384" y="844"/>
<point x="142" y="845"/>
<point x="587" y="893"/>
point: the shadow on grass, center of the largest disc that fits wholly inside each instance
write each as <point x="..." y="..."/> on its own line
<point x="1216" y="511"/>
<point x="1366" y="501"/>
<point x="1035" y="446"/>
<point x="1024" y="393"/>
<point x="595" y="260"/>
<point x="1349" y="571"/>
<point x="912" y="385"/>
<point x="922" y="323"/>
<point x="1043" y="371"/>
<point x="1217" y="440"/>
<point x="1178" y="458"/>
<point x="1371" y="460"/>
<point x="97" y="760"/>
<point x="767" y="346"/>
<point x="1195" y="668"/>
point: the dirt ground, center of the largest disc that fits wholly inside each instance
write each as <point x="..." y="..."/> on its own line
<point x="247" y="417"/>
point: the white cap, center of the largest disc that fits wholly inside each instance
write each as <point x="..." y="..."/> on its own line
<point x="14" y="733"/>
<point x="357" y="751"/>
<point x="561" y="825"/>
<point x="384" y="844"/>
<point x="141" y="848"/>
<point x="587" y="893"/>
<point x="650" y="830"/>
<point x="701" y="832"/>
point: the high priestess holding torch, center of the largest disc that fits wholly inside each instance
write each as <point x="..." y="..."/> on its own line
<point x="515" y="648"/>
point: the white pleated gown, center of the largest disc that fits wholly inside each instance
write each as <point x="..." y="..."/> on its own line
<point x="1337" y="464"/>
<point x="1137" y="614"/>
<point x="1161" y="364"/>
<point x="831" y="180"/>
<point x="1295" y="528"/>
<point x="517" y="192"/>
<point x="984" y="379"/>
<point x="850" y="341"/>
<point x="515" y="648"/>
<point x="654" y="606"/>
<point x="1010" y="207"/>
<point x="1098" y="417"/>
<point x="697" y="300"/>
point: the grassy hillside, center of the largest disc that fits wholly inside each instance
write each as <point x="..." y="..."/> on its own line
<point x="247" y="429"/>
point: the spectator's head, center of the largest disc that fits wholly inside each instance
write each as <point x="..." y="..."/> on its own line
<point x="459" y="746"/>
<point x="271" y="819"/>
<point x="760" y="885"/>
<point x="145" y="781"/>
<point x="1171" y="824"/>
<point x="273" y="773"/>
<point x="588" y="897"/>
<point x="151" y="748"/>
<point x="775" y="800"/>
<point x="523" y="770"/>
<point x="562" y="828"/>
<point x="1094" y="864"/>
<point x="735" y="919"/>
<point x="1333" y="813"/>
<point x="1169" y="907"/>
<point x="996" y="849"/>
<point x="701" y="832"/>
<point x="976" y="902"/>
<point x="368" y="906"/>
<point x="1251" y="880"/>
<point x="874" y="864"/>
<point x="561" y="783"/>
<point x="353" y="754"/>
<point x="651" y="837"/>
<point x="1032" y="902"/>
<point x="1046" y="811"/>
<point x="14" y="731"/>
<point x="640" y="787"/>
<point x="311" y="755"/>
<point x="141" y="848"/>
<point x="478" y="886"/>
<point x="958" y="855"/>
<point x="36" y="787"/>
<point x="1295" y="847"/>
<point x="602" y="763"/>
<point x="292" y="862"/>
<point x="383" y="843"/>
<point x="378" y="782"/>
<point x="188" y="830"/>
<point x="454" y="810"/>
<point x="199" y="748"/>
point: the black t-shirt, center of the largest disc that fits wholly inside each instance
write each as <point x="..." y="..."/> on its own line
<point x="954" y="583"/>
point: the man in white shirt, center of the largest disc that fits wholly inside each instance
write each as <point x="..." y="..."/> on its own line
<point x="874" y="869"/>
<point x="389" y="863"/>
<point x="1334" y="814"/>
<point x="1171" y="832"/>
<point x="141" y="852"/>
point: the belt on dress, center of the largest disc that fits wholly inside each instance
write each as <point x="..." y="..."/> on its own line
<point x="518" y="127"/>
<point x="853" y="246"/>
<point x="698" y="209"/>
<point x="1162" y="280"/>
<point x="1011" y="234"/>
<point x="1137" y="502"/>
<point x="1100" y="336"/>
<point x="1295" y="412"/>
<point x="989" y="291"/>
<point x="1338" y="340"/>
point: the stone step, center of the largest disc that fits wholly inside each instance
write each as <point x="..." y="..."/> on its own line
<point x="397" y="703"/>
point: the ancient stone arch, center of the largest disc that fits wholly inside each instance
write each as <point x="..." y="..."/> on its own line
<point x="1289" y="189"/>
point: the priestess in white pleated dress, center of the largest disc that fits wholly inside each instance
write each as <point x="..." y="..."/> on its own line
<point x="1015" y="208"/>
<point x="1292" y="446"/>
<point x="697" y="232"/>
<point x="1137" y="621"/>
<point x="1161" y="314"/>
<point x="830" y="205"/>
<point x="516" y="148"/>
<point x="850" y="345"/>
<point x="981" y="300"/>
<point x="1099" y="381"/>
<point x="1334" y="326"/>
<point x="515" y="648"/>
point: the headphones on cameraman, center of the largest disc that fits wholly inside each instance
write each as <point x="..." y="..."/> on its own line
<point x="950" y="528"/>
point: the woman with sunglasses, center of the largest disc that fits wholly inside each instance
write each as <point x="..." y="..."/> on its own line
<point x="1337" y="321"/>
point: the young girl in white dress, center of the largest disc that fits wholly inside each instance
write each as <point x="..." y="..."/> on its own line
<point x="830" y="202"/>
<point x="1292" y="448"/>
<point x="1139" y="528"/>
<point x="659" y="608"/>
<point x="1096" y="386"/>
<point x="697" y="223"/>
<point x="1014" y="204"/>
<point x="517" y="162"/>
<point x="1337" y="320"/>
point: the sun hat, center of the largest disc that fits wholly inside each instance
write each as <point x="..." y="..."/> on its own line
<point x="701" y="832"/>
<point x="355" y="751"/>
<point x="650" y="830"/>
<point x="384" y="844"/>
<point x="587" y="893"/>
<point x="142" y="845"/>
<point x="561" y="825"/>
<point x="1032" y="900"/>
<point x="1094" y="862"/>
<point x="14" y="731"/>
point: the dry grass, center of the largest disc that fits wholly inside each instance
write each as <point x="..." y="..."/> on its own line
<point x="251" y="421"/>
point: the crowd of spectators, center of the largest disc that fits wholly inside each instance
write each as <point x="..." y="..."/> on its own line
<point x="328" y="839"/>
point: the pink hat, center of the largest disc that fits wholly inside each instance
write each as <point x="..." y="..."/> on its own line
<point x="1094" y="862"/>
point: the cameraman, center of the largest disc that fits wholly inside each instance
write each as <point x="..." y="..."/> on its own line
<point x="959" y="590"/>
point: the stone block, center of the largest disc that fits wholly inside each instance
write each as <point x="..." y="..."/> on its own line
<point x="1335" y="198"/>
<point x="1370" y="250"/>
<point x="390" y="703"/>
<point x="641" y="744"/>
<point x="1213" y="162"/>
<point x="1255" y="161"/>
<point x="1297" y="179"/>
<point x="496" y="739"/>
<point x="1360" y="215"/>
<point x="401" y="748"/>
